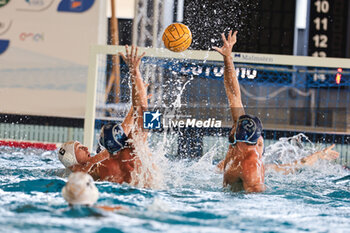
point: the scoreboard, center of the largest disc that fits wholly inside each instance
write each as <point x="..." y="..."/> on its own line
<point x="328" y="25"/>
<point x="268" y="26"/>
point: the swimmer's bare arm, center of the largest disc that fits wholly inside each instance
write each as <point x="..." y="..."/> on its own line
<point x="325" y="154"/>
<point x="128" y="121"/>
<point x="103" y="155"/>
<point x="139" y="94"/>
<point x="233" y="91"/>
<point x="253" y="174"/>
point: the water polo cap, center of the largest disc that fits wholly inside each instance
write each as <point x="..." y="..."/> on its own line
<point x="66" y="154"/>
<point x="80" y="189"/>
<point x="113" y="138"/>
<point x="249" y="129"/>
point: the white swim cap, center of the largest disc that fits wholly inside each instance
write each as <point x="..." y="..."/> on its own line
<point x="66" y="154"/>
<point x="80" y="189"/>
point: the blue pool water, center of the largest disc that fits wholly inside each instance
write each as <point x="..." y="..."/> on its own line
<point x="192" y="200"/>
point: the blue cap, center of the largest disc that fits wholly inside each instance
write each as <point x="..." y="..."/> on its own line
<point x="249" y="129"/>
<point x="113" y="138"/>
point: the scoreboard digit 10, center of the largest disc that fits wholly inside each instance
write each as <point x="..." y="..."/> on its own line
<point x="328" y="28"/>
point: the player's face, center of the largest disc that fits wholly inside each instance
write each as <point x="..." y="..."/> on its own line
<point x="82" y="153"/>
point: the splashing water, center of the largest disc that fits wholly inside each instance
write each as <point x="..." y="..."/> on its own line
<point x="147" y="174"/>
<point x="287" y="150"/>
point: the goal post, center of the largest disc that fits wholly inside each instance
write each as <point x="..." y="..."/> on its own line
<point x="265" y="79"/>
<point x="90" y="113"/>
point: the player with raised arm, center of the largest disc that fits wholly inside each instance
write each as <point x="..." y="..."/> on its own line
<point x="118" y="160"/>
<point x="243" y="167"/>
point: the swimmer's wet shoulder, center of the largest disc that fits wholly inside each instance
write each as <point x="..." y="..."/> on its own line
<point x="243" y="165"/>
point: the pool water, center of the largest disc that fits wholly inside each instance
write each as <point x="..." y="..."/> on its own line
<point x="191" y="200"/>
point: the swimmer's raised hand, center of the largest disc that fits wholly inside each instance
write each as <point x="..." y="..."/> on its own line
<point x="326" y="154"/>
<point x="329" y="153"/>
<point x="229" y="42"/>
<point x="132" y="59"/>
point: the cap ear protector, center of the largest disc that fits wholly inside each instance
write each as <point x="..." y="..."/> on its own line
<point x="66" y="154"/>
<point x="113" y="138"/>
<point x="249" y="129"/>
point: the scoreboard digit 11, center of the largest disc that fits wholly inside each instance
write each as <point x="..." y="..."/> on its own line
<point x="328" y="28"/>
